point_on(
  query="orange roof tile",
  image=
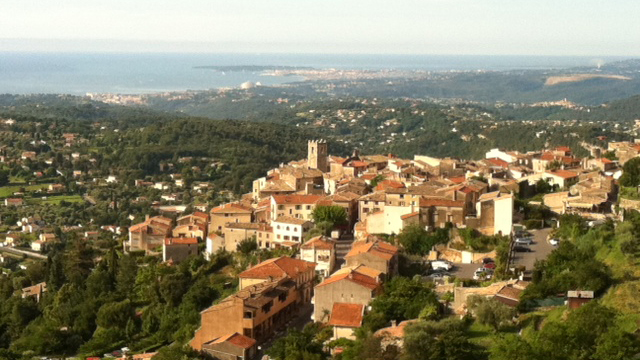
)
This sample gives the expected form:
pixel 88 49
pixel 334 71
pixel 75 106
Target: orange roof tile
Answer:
pixel 277 268
pixel 498 162
pixel 180 241
pixel 320 242
pixel 378 248
pixel 565 174
pixel 355 276
pixel 440 202
pixel 236 339
pixel 390 184
pixel 296 199
pixel 407 216
pixel 232 208
pixel 348 315
pixel 458 179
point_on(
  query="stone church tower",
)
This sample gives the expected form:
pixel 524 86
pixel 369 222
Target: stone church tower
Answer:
pixel 318 151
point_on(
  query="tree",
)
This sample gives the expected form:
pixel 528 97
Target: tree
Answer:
pixel 631 173
pixel 247 245
pixel 444 340
pixel 511 347
pixel 418 241
pixel 334 214
pixel 4 177
pixel 490 311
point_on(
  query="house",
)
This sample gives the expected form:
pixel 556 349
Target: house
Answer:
pixel 255 311
pixel 234 346
pixel 300 271
pixel 561 178
pixel 213 242
pixel 394 334
pixel 150 234
pixel 197 217
pixel 375 254
pixel 47 237
pixel 13 202
pixel 31 155
pixel 296 206
pixel 235 233
pixel 112 179
pixel 11 239
pixel 38 245
pixel 190 231
pixel 371 203
pixel 510 294
pixel 322 251
pixel 577 298
pixel 345 319
pixel 494 213
pixel 354 285
pixel 36 291
pixel 179 249
pixel 228 213
pixel 439 212
pixel 290 229
pixel 56 188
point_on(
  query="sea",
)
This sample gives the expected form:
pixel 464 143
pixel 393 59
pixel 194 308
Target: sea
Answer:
pixel 130 73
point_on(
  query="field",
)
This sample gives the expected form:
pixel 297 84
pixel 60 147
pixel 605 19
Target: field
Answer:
pixel 7 191
pixel 55 200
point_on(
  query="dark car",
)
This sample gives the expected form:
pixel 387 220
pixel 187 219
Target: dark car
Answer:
pixel 521 249
pixel 489 266
pixel 487 260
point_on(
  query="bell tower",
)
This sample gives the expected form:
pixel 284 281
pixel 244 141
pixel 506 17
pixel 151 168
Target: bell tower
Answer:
pixel 318 151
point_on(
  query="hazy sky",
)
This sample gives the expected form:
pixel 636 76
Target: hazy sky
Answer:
pixel 519 27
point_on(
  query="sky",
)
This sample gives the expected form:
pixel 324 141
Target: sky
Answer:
pixel 470 27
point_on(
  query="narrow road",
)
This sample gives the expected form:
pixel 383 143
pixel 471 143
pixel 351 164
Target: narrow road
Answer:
pixel 23 252
pixel 343 245
pixel 540 249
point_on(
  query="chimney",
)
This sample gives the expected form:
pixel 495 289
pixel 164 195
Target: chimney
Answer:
pixel 394 323
pixel 146 217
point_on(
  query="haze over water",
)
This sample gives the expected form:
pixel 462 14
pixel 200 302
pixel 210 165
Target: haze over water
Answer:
pixel 78 73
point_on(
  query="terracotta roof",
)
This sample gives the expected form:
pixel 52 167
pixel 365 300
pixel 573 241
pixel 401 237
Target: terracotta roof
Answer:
pixel 362 269
pixel 396 331
pixel 357 163
pixel 407 216
pixel 290 220
pixel 563 148
pixel 277 268
pixel 348 315
pixel 320 242
pixel 457 179
pixel 232 208
pixel 36 289
pixel 236 339
pixel 376 196
pixel 368 176
pixel 565 174
pixel 606 161
pixel 296 199
pixel 510 292
pixel 378 248
pixel 180 241
pixel 440 202
pixel 354 276
pixel 497 162
pixel 389 184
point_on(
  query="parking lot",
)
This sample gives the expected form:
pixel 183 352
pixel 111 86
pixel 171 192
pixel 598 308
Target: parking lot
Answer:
pixel 540 249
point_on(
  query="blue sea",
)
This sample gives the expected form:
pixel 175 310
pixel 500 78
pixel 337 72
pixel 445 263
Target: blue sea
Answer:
pixel 81 73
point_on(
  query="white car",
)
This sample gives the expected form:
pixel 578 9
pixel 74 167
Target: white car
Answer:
pixel 480 274
pixel 441 265
pixel 524 241
pixel 554 242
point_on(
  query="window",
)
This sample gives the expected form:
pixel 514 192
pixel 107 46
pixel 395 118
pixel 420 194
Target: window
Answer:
pixel 280 207
pixel 286 237
pixel 308 207
pixel 248 315
pixel 278 227
pixel 298 207
pixel 267 307
pixel 278 236
pixel 366 202
pixel 365 210
pixel 287 228
pixel 282 297
pixel 290 211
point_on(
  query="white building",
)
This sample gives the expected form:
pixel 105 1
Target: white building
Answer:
pixel 287 228
pixel 320 250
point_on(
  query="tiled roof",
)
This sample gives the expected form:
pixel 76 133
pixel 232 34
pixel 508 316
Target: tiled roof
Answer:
pixel 319 242
pixel 510 292
pixel 376 196
pixel 378 248
pixel 352 276
pixel 497 162
pixel 457 179
pixel 565 174
pixel 180 241
pixel 407 216
pixel 348 315
pixel 290 220
pixel 236 339
pixel 386 184
pixel 277 268
pixel 440 202
pixel 361 269
pixel 231 208
pixel 296 199
pixel 396 331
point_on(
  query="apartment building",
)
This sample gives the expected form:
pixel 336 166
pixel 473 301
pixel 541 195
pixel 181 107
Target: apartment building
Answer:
pixel 296 206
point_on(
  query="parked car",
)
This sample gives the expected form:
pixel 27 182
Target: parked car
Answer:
pixel 441 265
pixel 487 260
pixel 489 265
pixel 480 274
pixel 554 242
pixel 524 241
pixel 438 275
pixel 519 248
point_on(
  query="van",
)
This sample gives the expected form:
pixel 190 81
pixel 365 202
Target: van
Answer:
pixel 441 265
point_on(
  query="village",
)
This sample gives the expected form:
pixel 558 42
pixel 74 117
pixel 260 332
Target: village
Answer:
pixel 333 266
